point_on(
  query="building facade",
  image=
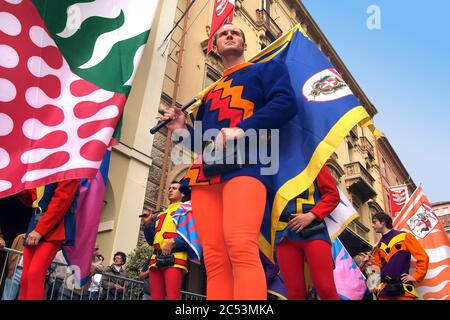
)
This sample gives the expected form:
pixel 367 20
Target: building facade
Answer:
pixel 392 171
pixel 173 69
pixel 442 211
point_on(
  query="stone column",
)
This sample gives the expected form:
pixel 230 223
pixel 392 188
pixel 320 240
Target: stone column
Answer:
pixel 131 160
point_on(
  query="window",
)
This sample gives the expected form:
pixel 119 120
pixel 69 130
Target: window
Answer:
pixel 384 169
pixel 373 210
pixel 335 174
pixel 446 210
pixel 350 152
pixel 211 76
pixel 356 204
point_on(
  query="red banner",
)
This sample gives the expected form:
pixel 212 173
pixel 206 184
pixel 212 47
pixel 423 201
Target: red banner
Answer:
pixel 397 198
pixel 223 11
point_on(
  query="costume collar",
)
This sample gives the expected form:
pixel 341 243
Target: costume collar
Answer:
pixel 173 205
pixel 236 68
pixel 388 234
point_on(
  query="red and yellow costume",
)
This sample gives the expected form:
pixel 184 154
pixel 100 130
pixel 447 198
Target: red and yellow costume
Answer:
pixel 167 280
pixel 292 249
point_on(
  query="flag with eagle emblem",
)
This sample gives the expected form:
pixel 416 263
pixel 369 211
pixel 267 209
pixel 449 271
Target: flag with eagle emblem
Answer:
pixel 326 111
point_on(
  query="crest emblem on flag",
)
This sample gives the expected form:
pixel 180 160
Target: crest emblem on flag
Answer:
pixel 325 86
pixel 399 197
pixel 422 222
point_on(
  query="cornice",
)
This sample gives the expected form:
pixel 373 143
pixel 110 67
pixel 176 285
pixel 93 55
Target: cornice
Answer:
pixel 387 149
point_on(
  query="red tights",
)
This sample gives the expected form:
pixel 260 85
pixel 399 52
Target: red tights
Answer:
pixel 165 280
pixel 228 218
pixel 36 260
pixel 291 256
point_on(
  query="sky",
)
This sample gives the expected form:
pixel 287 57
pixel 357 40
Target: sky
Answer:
pixel 403 67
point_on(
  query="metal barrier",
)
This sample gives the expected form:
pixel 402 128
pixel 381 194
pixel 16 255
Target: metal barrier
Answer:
pixel 11 287
pixel 61 284
pixel 185 295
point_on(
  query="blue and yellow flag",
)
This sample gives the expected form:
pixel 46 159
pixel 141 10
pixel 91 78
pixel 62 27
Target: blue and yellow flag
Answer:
pixel 327 111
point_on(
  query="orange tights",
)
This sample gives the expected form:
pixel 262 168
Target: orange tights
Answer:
pixel 228 218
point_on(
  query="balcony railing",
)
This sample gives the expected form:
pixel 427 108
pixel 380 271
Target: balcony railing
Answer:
pixel 360 229
pixel 263 18
pixel 354 133
pixel 359 181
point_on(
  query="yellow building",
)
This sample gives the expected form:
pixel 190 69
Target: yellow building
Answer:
pixel 172 71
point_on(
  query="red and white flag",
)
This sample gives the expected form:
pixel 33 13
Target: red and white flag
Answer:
pixel 64 80
pixel 418 218
pixel 223 11
pixel 397 198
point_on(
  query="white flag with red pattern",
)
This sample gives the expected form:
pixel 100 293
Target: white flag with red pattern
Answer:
pixel 418 218
pixel 66 69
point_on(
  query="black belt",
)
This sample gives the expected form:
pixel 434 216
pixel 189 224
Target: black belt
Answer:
pixel 285 218
pixel 159 252
pixel 384 280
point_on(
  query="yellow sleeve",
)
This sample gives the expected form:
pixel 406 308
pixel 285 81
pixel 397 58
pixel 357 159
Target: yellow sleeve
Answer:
pixel 418 252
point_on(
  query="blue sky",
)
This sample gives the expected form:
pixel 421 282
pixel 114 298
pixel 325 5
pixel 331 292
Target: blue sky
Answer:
pixel 404 70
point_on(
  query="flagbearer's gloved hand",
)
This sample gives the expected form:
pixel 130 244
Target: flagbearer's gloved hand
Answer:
pixel 2 243
pixel 177 116
pixel 299 221
pixel 407 277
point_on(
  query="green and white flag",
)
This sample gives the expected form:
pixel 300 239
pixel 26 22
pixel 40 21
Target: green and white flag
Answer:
pixel 102 40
